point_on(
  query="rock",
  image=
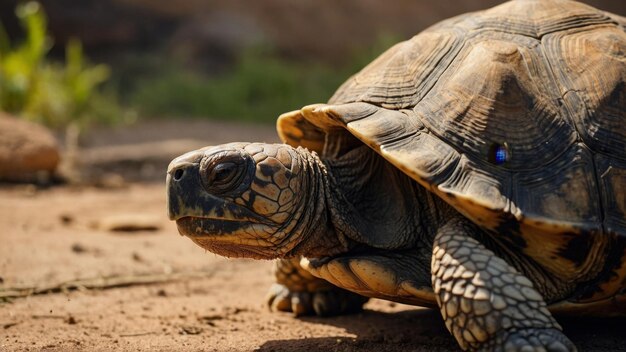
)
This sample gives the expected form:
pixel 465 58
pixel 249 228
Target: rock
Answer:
pixel 28 151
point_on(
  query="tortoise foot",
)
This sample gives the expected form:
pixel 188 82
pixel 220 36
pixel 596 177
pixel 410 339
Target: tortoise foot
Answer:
pixel 334 301
pixel 533 340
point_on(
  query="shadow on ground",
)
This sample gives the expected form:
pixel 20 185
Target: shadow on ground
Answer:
pixel 423 330
pixel 412 330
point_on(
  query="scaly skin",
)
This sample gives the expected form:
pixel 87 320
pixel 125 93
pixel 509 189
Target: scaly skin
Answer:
pixel 487 304
pixel 297 290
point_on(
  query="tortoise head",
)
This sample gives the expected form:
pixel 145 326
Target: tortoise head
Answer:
pixel 239 199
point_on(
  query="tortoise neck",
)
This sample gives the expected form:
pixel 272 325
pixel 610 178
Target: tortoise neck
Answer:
pixel 314 233
pixel 373 203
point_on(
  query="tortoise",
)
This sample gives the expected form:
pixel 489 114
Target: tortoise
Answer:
pixel 479 167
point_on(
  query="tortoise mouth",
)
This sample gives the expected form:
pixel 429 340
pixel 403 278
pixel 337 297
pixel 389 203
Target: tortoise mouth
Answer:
pixel 194 226
pixel 232 238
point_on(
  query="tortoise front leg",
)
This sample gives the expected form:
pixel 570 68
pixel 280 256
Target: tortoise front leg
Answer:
pixel 486 303
pixel 297 291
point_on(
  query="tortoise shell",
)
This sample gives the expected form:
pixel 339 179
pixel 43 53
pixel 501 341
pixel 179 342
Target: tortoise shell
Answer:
pixel 516 116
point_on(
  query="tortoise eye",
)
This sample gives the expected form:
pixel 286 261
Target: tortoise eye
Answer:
pixel 498 153
pixel 222 173
pixel 224 176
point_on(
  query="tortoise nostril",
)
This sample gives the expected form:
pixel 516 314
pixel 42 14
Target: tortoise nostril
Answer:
pixel 178 174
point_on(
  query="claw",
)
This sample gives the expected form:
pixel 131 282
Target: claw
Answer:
pixel 322 303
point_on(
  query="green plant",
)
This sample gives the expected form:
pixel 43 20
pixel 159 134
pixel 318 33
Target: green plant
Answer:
pixel 259 87
pixel 55 94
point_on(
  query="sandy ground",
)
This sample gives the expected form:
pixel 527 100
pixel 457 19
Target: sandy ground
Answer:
pixel 157 291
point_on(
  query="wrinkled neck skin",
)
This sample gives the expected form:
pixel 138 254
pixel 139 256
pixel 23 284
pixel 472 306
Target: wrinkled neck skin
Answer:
pixel 311 232
pixel 355 199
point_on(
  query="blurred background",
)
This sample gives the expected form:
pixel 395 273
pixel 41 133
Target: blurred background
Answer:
pixel 220 59
pixel 97 96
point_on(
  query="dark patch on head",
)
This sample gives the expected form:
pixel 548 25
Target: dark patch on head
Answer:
pixel 262 183
pixel 251 199
pixel 577 248
pixel 268 170
pixel 509 229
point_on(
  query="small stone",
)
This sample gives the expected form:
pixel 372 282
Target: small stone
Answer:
pixel 190 330
pixel 79 248
pixel 129 223
pixel 66 219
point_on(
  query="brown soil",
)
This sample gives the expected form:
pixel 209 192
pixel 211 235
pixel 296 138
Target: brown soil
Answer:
pixel 154 290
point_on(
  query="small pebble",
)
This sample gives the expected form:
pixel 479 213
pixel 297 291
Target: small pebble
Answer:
pixel 78 248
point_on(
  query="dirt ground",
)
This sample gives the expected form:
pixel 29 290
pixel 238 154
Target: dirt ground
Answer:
pixel 154 290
